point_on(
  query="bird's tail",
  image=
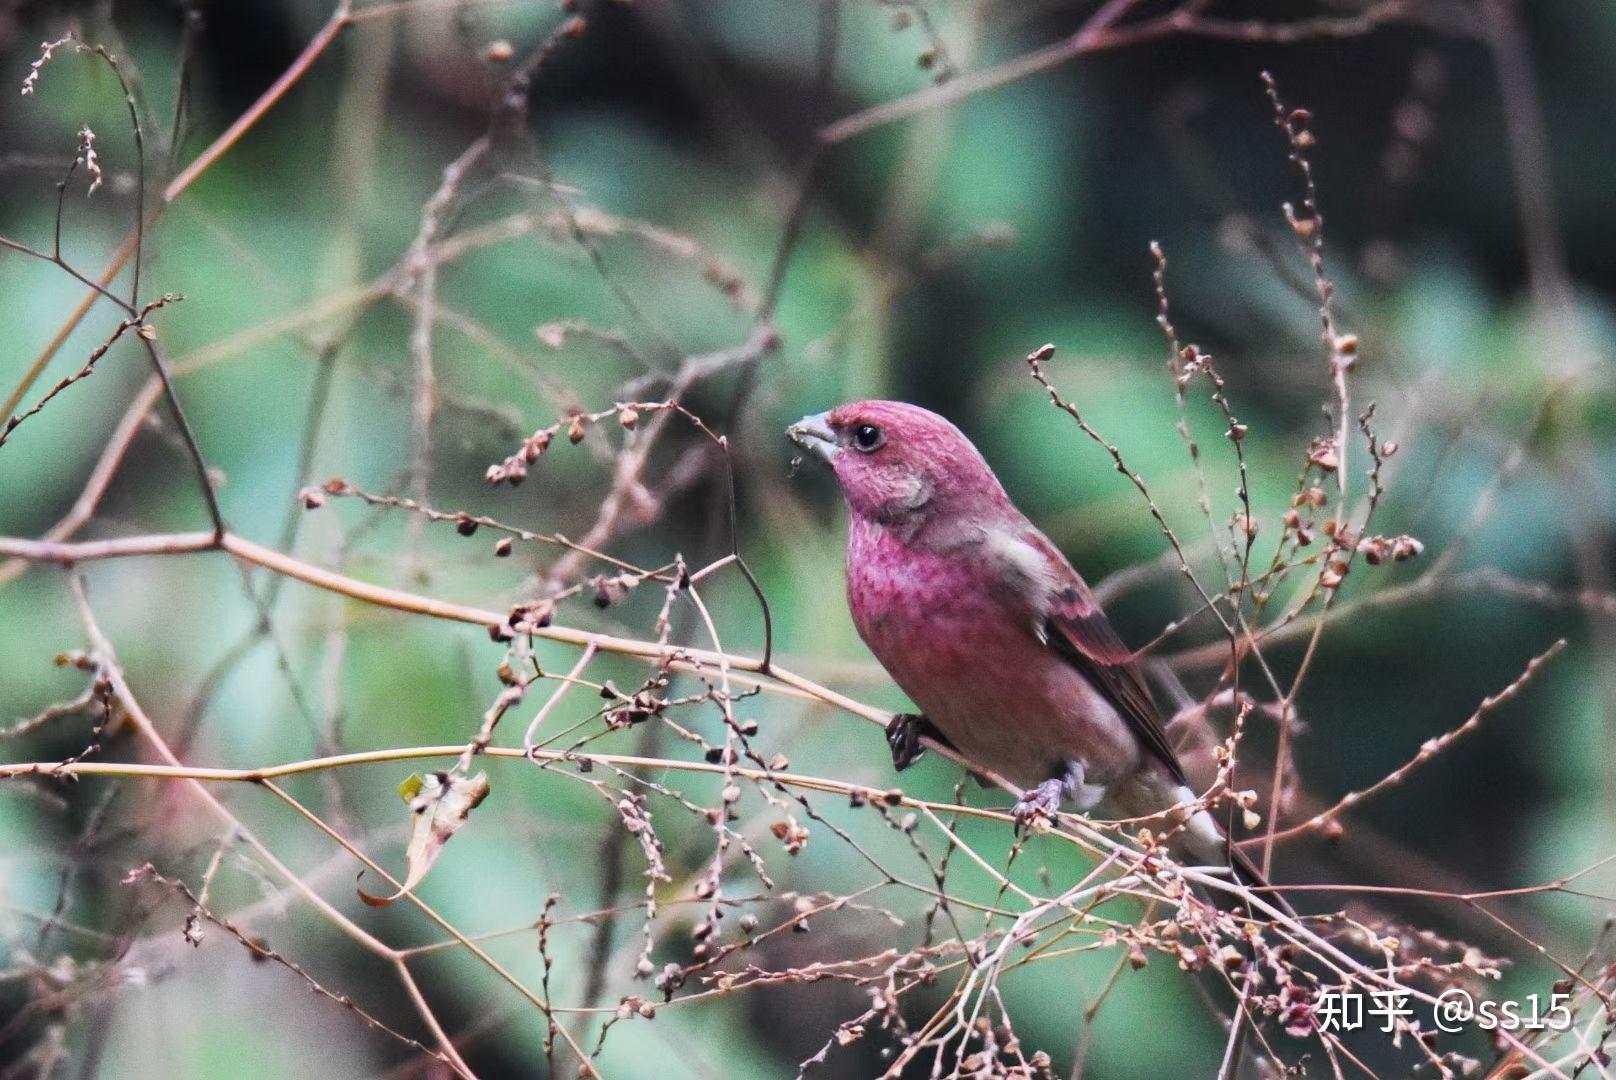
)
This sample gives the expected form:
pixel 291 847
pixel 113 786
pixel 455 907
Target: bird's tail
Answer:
pixel 1248 874
pixel 1203 839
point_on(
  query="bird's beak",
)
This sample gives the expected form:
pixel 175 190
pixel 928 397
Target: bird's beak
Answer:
pixel 814 435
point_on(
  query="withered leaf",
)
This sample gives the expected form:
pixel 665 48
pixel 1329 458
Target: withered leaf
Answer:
pixel 441 803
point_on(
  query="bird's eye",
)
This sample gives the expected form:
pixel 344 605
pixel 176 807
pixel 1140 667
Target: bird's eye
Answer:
pixel 868 438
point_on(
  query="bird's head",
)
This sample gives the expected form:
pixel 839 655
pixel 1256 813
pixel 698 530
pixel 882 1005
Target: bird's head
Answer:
pixel 898 463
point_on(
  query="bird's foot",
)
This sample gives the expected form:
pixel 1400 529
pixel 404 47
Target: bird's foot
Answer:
pixel 1041 803
pixel 904 732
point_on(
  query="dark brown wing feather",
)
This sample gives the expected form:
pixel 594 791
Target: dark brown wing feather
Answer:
pixel 1081 634
pixel 1079 631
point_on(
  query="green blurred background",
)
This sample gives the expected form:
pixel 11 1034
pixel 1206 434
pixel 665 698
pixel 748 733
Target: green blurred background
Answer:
pixel 935 253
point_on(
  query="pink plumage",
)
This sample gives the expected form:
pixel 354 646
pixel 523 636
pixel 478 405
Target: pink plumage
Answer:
pixel 987 627
pixel 962 642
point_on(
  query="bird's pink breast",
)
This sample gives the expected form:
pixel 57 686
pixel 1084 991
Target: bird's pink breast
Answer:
pixel 963 646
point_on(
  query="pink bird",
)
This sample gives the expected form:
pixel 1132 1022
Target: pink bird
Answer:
pixel 989 630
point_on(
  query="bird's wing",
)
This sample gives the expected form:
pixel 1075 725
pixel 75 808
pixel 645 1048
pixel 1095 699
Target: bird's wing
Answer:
pixel 1077 629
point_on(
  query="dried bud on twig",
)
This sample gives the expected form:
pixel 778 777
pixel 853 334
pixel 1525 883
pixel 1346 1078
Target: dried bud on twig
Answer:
pixel 1376 549
pixel 1324 453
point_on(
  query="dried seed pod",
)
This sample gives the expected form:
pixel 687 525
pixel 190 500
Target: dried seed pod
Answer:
pixel 671 979
pixel 1333 575
pixel 1406 547
pixel 1325 454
